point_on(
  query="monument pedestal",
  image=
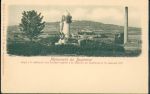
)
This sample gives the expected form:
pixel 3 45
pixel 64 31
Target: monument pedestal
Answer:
pixel 66 42
pixel 62 41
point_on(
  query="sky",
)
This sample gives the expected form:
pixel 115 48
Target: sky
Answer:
pixel 104 14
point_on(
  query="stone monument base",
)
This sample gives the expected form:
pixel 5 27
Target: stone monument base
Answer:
pixel 60 42
pixel 65 42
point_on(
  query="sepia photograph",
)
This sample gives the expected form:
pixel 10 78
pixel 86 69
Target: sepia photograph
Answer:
pixel 74 31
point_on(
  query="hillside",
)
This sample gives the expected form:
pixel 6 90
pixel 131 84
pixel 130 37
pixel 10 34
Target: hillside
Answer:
pixel 53 27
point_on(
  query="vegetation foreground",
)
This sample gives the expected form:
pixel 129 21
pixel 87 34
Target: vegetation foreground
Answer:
pixel 39 49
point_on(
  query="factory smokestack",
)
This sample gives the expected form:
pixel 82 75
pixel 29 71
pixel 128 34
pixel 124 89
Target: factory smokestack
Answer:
pixel 126 26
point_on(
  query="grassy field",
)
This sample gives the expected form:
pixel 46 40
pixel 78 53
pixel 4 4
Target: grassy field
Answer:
pixel 87 48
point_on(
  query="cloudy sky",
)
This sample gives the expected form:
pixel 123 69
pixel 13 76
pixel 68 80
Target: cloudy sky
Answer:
pixel 104 14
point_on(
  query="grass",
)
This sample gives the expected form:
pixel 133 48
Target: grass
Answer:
pixel 38 49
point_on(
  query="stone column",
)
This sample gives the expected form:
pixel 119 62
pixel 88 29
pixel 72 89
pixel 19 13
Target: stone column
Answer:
pixel 126 26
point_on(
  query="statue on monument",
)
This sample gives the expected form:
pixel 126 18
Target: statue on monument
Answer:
pixel 65 22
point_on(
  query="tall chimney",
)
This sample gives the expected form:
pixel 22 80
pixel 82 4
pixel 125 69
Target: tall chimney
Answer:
pixel 126 26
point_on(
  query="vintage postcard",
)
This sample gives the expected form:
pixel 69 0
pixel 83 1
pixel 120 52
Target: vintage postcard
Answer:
pixel 81 46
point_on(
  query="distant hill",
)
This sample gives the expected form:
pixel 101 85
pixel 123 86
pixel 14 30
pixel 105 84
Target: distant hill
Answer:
pixel 53 27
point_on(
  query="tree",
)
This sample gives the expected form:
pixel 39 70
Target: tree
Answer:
pixel 31 24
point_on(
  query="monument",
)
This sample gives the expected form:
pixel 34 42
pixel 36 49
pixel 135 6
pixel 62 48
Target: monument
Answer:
pixel 65 22
pixel 126 26
pixel 122 38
